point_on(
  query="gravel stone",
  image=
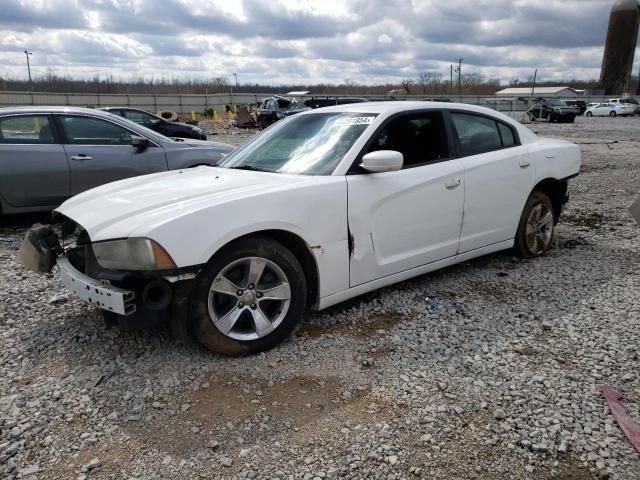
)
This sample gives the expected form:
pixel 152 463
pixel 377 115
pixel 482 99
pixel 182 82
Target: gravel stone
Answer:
pixel 504 380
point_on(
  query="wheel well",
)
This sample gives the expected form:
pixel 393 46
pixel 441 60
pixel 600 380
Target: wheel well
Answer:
pixel 556 190
pixel 301 251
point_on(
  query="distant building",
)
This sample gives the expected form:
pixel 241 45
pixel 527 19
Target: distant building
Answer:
pixel 538 92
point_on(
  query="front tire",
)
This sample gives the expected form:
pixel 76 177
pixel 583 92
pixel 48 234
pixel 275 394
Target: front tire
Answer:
pixel 535 229
pixel 589 114
pixel 612 113
pixel 249 298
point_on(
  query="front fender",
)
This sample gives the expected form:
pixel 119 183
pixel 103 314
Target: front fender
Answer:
pixel 315 213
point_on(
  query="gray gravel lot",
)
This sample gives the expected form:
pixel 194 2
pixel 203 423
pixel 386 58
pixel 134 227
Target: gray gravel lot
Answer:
pixel 503 381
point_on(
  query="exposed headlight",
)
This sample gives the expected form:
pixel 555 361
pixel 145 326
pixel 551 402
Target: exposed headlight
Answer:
pixel 132 254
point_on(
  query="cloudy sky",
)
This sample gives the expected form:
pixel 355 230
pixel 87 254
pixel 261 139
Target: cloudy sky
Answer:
pixel 304 41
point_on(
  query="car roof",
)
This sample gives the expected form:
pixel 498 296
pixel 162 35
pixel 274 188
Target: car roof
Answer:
pixel 123 107
pixel 391 107
pixel 54 109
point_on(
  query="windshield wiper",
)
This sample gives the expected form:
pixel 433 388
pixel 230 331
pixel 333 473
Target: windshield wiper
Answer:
pixel 251 168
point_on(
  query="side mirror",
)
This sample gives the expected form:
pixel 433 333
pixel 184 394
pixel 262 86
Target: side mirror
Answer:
pixel 382 161
pixel 139 142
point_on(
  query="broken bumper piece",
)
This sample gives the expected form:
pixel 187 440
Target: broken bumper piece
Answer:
pixel 107 297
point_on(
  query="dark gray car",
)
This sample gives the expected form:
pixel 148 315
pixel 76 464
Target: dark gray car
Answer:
pixel 48 154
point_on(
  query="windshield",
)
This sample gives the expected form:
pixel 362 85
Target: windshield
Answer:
pixel 144 130
pixel 557 103
pixel 310 144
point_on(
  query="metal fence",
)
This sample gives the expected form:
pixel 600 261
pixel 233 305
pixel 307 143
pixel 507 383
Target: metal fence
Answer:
pixel 198 103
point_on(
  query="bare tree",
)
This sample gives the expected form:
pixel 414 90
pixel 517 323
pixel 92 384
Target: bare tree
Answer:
pixel 423 80
pixel 349 84
pixel 407 83
pixel 431 82
pixel 218 85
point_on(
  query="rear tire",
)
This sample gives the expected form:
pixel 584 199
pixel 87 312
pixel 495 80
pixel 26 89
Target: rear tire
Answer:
pixel 536 226
pixel 249 298
pixel 612 113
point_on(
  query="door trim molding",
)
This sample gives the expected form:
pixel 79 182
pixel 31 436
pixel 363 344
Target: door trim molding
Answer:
pixel 413 272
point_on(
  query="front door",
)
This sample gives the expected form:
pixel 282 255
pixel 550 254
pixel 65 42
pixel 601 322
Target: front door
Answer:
pixel 602 110
pixel 411 217
pixel 100 151
pixel 33 165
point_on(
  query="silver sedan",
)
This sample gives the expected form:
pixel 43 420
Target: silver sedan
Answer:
pixel 48 154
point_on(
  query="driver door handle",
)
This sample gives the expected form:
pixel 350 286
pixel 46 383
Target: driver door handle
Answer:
pixel 81 158
pixel 452 183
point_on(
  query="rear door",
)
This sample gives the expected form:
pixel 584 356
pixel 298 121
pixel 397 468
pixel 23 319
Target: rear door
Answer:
pixel 499 177
pixel 100 151
pixel 34 171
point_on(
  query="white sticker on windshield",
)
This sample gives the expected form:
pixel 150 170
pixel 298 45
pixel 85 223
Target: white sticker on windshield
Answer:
pixel 348 121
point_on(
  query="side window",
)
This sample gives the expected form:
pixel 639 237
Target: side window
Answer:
pixel 26 129
pixel 476 134
pixel 420 137
pixel 506 132
pixel 142 118
pixel 94 131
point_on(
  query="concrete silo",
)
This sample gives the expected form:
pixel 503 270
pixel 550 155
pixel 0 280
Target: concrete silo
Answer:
pixel 619 49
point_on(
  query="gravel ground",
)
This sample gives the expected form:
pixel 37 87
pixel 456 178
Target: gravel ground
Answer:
pixel 503 380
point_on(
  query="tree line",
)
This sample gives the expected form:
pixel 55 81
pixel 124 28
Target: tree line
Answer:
pixel 426 83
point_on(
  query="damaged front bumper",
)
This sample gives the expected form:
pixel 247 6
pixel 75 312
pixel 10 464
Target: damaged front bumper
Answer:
pixel 131 299
pixel 107 297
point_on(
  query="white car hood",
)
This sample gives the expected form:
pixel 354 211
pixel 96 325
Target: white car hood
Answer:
pixel 117 209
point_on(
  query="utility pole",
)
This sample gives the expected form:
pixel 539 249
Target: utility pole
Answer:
pixel 460 76
pixel 27 53
pixel 236 75
pixel 451 81
pixel 533 88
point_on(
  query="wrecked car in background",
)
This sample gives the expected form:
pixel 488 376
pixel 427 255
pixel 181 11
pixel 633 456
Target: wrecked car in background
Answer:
pixel 272 109
pixel 233 255
pixel 553 110
pixel 320 102
pixel 48 154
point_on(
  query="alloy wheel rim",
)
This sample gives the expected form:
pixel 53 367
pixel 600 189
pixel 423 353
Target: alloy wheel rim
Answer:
pixel 539 229
pixel 249 298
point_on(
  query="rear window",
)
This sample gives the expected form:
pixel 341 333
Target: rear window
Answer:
pixel 477 134
pixel 26 129
pixel 508 139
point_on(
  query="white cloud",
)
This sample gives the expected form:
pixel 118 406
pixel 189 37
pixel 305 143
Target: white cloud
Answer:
pixel 304 41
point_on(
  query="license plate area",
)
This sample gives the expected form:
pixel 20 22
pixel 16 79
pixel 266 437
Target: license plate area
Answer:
pixel 107 297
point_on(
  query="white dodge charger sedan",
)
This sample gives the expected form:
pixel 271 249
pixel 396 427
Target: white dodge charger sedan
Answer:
pixel 321 207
